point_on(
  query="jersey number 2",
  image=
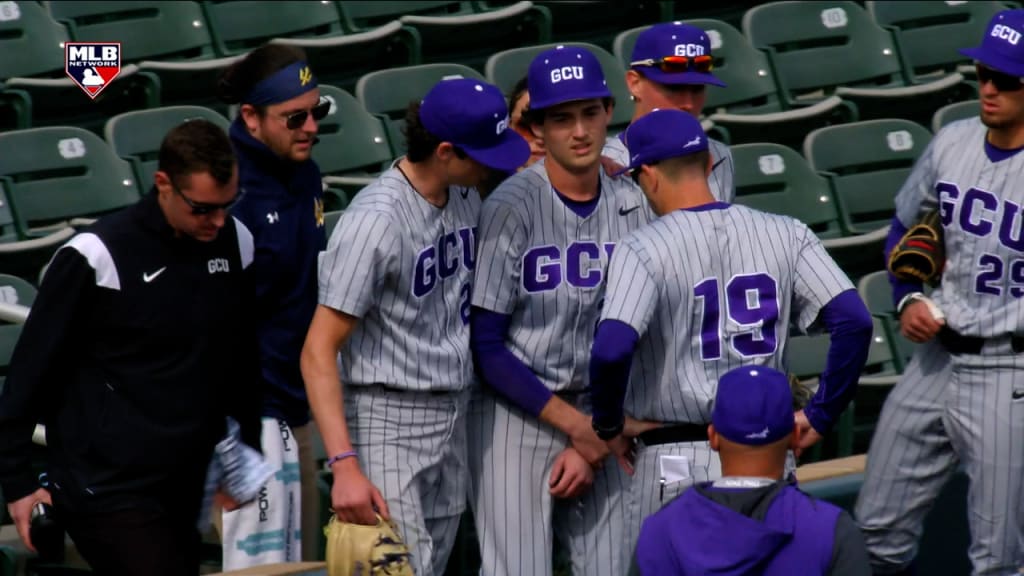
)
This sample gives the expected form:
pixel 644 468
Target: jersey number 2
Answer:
pixel 751 302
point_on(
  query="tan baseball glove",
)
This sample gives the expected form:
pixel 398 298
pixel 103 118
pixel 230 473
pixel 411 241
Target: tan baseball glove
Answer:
pixel 360 550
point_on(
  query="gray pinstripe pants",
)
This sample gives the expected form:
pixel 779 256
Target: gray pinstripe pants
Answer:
pixel 944 411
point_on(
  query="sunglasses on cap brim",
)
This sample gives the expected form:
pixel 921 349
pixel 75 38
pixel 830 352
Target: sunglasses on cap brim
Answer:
pixel 678 64
pixel 298 119
pixel 1002 82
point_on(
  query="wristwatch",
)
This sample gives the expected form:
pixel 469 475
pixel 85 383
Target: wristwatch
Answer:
pixel 912 297
pixel 608 433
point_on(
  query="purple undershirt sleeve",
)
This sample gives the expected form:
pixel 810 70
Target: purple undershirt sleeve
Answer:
pixel 498 367
pixel 610 360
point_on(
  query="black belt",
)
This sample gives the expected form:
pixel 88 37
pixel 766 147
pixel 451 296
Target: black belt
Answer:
pixel 957 343
pixel 674 434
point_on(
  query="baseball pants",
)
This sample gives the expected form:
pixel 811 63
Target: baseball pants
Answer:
pixel 946 410
pixel 412 446
pixel 511 455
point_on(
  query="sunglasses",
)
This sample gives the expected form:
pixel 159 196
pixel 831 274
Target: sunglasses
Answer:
pixel 202 208
pixel 678 64
pixel 1002 82
pixel 297 120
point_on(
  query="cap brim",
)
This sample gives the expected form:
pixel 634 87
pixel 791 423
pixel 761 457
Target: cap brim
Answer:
pixel 509 153
pixel 994 60
pixel 576 97
pixel 656 75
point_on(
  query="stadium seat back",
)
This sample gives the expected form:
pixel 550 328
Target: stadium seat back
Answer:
pixel 146 30
pixel 240 26
pixel 824 45
pixel 351 139
pixel 136 136
pixel 954 112
pixel 387 93
pixel 870 161
pixel 774 178
pixel 507 67
pixel 31 41
pixel 16 290
pixel 931 33
pixel 63 172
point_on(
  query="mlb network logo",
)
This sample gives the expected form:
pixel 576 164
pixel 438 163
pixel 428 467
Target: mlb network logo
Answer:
pixel 92 65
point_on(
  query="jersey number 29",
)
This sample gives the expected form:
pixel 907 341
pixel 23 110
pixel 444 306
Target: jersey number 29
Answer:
pixel 751 303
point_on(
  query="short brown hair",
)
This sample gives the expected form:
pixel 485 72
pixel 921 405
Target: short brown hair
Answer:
pixel 197 146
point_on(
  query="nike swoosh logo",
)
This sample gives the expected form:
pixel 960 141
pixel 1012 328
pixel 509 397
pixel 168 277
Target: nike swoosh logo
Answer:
pixel 147 278
pixel 623 210
pixel 1018 394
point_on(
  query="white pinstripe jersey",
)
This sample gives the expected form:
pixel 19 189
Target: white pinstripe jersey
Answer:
pixel 720 181
pixel 980 203
pixel 544 265
pixel 404 267
pixel 710 290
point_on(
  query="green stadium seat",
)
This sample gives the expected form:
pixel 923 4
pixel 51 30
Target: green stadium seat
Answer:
pixel 353 147
pixel 876 292
pixel 507 67
pixel 23 257
pixel 136 136
pixel 749 109
pixel 60 175
pixel 931 33
pixel 819 49
pixel 867 162
pixel 954 112
pixel 387 93
pixel 330 222
pixel 455 31
pixel 774 178
pixel 16 290
pixel 598 22
pixel 336 56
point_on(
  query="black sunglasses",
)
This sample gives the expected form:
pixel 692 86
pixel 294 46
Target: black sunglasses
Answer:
pixel 297 120
pixel 1002 82
pixel 202 208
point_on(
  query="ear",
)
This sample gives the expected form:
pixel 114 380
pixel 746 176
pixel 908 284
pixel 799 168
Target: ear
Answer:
pixel 444 152
pixel 250 116
pixel 713 437
pixel 161 180
pixel 633 80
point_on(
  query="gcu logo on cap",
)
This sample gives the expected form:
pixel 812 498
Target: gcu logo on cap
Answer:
pixel 689 50
pixel 502 125
pixel 1006 33
pixel 566 73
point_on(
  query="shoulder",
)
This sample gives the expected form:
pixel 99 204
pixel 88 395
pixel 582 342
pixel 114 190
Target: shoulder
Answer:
pixel 246 244
pixel 384 196
pixel 718 149
pixel 957 133
pixel 517 192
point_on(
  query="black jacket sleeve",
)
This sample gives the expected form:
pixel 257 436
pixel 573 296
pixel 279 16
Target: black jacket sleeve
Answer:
pixel 39 364
pixel 245 399
pixel 849 556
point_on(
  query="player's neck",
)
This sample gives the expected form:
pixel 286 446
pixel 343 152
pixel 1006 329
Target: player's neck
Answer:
pixel 753 466
pixel 685 197
pixel 424 179
pixel 579 186
pixel 1007 138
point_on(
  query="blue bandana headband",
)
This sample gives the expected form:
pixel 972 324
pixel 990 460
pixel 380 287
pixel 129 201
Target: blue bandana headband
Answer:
pixel 285 84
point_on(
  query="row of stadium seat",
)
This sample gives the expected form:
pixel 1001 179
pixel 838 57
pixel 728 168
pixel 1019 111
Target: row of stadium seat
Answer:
pixel 780 70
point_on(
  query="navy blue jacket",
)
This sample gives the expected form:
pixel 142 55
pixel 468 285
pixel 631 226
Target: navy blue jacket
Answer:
pixel 775 530
pixel 282 204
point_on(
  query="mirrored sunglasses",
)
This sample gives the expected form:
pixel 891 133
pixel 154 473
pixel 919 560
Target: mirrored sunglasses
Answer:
pixel 678 64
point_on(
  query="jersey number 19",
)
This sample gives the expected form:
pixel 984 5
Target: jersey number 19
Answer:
pixel 751 303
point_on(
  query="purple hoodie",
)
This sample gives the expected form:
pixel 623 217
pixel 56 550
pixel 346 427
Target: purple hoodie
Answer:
pixel 774 530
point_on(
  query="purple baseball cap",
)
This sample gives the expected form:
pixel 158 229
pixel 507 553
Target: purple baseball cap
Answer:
pixel 753 406
pixel 672 39
pixel 564 74
pixel 1002 48
pixel 473 115
pixel 661 134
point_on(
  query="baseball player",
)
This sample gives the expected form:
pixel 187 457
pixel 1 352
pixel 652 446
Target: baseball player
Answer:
pixel 671 68
pixel 545 238
pixel 961 399
pixel 395 283
pixel 705 288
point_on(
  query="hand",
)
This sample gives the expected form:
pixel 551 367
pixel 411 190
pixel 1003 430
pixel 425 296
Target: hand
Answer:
pixel 610 166
pixel 624 450
pixel 917 323
pixel 354 498
pixel 808 435
pixel 634 427
pixel 589 446
pixel 571 475
pixel 21 512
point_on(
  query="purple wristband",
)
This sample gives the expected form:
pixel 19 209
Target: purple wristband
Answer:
pixel 340 457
